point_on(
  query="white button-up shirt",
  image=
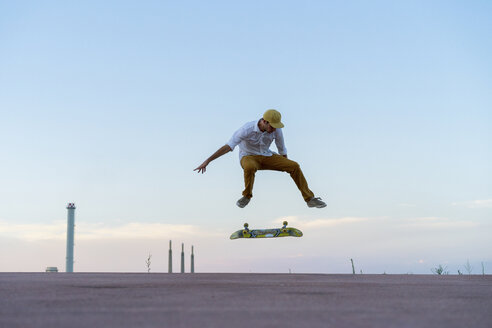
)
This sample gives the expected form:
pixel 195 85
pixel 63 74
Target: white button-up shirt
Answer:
pixel 252 141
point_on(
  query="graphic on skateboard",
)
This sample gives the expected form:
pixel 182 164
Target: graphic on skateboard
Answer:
pixel 267 233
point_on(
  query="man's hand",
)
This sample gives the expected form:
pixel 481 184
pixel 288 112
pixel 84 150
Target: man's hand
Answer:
pixel 221 151
pixel 202 168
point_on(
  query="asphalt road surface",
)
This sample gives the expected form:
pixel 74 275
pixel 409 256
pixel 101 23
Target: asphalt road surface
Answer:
pixel 243 300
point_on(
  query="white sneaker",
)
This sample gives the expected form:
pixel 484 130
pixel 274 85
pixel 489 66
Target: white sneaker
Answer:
pixel 316 202
pixel 243 201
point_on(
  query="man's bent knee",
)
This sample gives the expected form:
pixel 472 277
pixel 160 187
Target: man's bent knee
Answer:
pixel 293 166
pixel 249 165
pixel 250 169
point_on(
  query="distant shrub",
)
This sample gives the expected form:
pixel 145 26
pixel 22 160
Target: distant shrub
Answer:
pixel 440 270
pixel 468 267
pixel 148 262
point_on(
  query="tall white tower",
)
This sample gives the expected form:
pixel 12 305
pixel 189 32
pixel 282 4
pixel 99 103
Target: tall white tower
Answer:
pixel 70 235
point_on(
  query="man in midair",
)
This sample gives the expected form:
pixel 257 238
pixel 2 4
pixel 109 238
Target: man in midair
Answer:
pixel 254 139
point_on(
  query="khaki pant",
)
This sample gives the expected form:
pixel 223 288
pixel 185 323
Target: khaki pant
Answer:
pixel 253 163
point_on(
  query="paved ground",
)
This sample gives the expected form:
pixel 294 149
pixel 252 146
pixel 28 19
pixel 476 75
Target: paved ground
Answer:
pixel 243 300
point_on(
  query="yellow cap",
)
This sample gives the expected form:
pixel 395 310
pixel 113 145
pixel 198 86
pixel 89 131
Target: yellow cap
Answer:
pixel 273 117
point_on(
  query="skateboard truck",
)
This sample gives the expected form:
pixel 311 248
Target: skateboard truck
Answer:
pixel 285 226
pixel 246 230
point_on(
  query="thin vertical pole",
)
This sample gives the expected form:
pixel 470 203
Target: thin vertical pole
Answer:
pixel 192 260
pixel 182 258
pixel 170 264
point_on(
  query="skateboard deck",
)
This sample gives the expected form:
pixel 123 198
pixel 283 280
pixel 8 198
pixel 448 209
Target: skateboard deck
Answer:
pixel 266 233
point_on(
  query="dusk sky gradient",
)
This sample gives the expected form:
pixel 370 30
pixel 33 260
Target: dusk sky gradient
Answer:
pixel 387 107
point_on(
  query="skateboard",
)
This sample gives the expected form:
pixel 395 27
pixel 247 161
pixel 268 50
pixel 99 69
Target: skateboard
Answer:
pixel 267 233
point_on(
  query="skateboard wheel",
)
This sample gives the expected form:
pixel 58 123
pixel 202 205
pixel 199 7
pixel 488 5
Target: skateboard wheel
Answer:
pixel 284 230
pixel 246 225
pixel 285 223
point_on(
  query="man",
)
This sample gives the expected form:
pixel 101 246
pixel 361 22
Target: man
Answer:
pixel 254 140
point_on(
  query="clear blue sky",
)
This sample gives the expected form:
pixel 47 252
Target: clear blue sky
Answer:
pixel 387 106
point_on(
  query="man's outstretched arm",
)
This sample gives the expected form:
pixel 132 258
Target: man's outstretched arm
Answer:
pixel 221 151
